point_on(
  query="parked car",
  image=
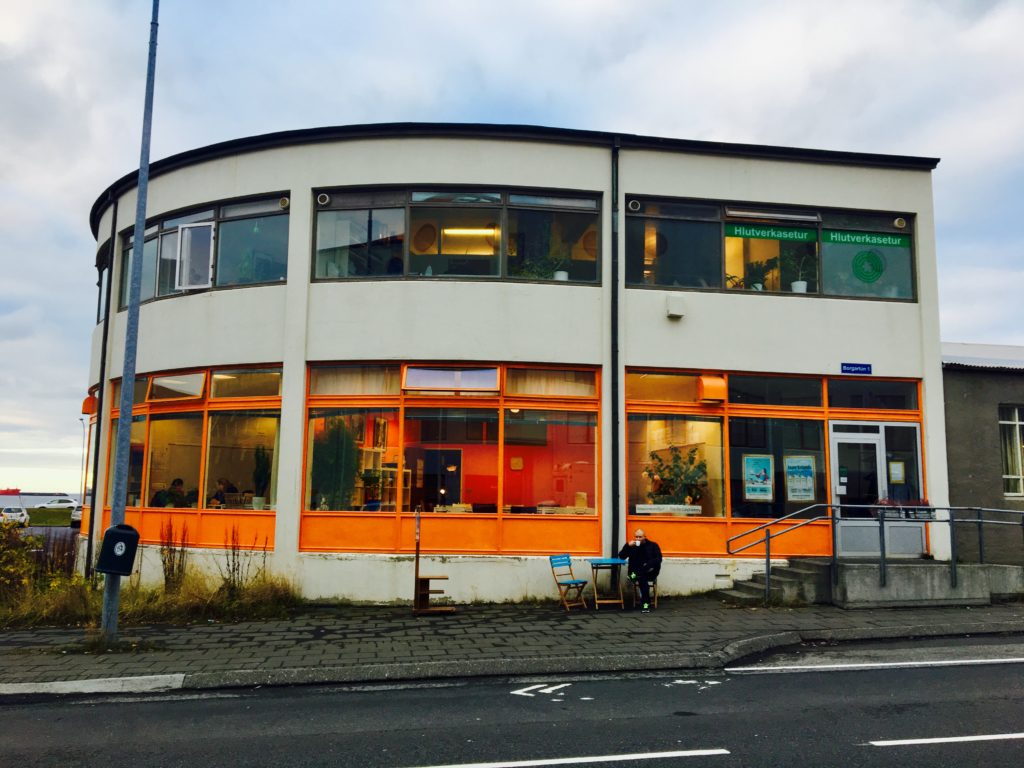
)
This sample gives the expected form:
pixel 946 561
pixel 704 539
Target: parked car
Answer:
pixel 76 516
pixel 59 503
pixel 16 515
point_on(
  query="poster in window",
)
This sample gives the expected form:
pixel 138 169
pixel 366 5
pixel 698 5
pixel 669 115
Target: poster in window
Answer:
pixel 897 472
pixel 758 477
pixel 380 433
pixel 799 478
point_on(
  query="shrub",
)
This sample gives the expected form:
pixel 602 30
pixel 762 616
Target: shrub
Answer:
pixel 16 562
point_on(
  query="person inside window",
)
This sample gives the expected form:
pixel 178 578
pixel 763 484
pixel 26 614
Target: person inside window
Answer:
pixel 644 558
pixel 224 487
pixel 170 497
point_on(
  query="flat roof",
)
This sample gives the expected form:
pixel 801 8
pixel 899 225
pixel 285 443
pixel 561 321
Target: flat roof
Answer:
pixel 1002 357
pixel 497 131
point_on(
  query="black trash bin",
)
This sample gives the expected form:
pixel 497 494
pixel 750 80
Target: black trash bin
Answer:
pixel 117 555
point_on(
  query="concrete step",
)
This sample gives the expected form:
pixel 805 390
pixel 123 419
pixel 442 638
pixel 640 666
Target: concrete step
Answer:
pixel 737 597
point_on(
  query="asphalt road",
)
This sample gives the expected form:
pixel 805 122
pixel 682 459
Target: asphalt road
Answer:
pixel 765 714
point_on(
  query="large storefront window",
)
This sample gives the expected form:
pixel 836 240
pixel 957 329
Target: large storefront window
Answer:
pixel 869 264
pixel 352 460
pixel 675 465
pixel 236 244
pixel 204 459
pixel 777 466
pixel 494 458
pixel 460 233
pixel 550 462
pixel 761 257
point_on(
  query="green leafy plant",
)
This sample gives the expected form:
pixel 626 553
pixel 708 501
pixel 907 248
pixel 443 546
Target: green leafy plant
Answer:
pixel 756 272
pixel 679 480
pixel 261 471
pixel 799 263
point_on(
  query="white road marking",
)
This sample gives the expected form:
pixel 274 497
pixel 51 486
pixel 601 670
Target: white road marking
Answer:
pixel 525 691
pixel 554 688
pixel 589 759
pixel 139 684
pixel 868 665
pixel 947 740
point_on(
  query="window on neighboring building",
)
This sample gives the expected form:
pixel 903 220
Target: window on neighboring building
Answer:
pixel 459 233
pixel 1011 437
pixel 235 244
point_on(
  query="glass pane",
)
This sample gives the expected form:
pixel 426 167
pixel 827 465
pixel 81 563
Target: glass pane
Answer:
pixel 761 257
pixel 175 444
pixel 902 465
pixel 669 387
pixel 453 457
pixel 552 245
pixel 456 197
pixel 372 198
pixel 148 288
pixel 186 385
pixel 252 251
pixel 774 390
pixel 353 460
pixel 1010 441
pixel 857 466
pixel 241 459
pixel 777 466
pixel 679 210
pixel 454 241
pixel 196 245
pixel 674 465
pixel 421 378
pixel 251 208
pixel 167 269
pixel 190 218
pixel 663 252
pixel 1012 486
pixel 1007 413
pixel 550 462
pixel 360 243
pixel 890 395
pixel 139 391
pixel 246 384
pixel 136 455
pixel 355 380
pixel 541 381
pixel 867 264
pixel 562 202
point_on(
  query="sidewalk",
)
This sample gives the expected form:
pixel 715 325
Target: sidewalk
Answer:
pixel 335 644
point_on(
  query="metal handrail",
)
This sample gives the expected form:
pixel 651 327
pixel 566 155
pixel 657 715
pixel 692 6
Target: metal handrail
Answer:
pixel 882 512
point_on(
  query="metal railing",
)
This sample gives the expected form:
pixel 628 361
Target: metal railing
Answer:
pixel 882 513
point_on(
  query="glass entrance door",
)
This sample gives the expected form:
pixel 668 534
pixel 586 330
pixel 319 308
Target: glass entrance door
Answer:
pixel 857 475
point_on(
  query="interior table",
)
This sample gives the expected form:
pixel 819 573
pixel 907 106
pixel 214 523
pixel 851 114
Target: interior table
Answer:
pixel 614 595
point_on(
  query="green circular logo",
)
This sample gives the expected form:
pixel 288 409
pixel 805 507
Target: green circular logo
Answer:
pixel 868 266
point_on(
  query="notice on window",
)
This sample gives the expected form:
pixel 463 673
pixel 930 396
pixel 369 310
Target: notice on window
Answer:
pixel 758 477
pixel 897 473
pixel 799 478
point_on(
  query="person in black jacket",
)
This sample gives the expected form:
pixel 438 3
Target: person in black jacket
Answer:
pixel 644 558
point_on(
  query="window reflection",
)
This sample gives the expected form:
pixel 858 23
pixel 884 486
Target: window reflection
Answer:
pixel 241 459
pixel 454 241
pixel 360 243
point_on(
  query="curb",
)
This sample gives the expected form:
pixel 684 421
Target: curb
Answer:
pixel 497 668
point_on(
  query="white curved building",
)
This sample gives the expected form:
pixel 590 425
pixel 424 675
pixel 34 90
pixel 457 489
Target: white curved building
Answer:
pixel 517 331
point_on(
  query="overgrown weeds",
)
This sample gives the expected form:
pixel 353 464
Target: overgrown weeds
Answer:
pixel 40 587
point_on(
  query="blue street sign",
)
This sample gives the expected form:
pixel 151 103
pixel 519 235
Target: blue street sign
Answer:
pixel 863 369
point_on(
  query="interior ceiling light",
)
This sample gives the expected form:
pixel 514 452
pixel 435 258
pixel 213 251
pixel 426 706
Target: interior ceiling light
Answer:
pixel 468 231
pixel 742 214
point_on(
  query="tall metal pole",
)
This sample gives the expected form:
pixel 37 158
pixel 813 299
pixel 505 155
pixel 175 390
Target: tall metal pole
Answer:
pixel 112 585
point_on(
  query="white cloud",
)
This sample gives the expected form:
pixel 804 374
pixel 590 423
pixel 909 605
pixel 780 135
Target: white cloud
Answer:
pixel 894 76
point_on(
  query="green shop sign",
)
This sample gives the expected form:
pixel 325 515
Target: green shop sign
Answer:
pixel 767 232
pixel 865 238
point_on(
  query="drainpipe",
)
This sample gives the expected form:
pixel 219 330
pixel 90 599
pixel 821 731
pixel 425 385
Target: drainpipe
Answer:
pixel 615 415
pixel 111 259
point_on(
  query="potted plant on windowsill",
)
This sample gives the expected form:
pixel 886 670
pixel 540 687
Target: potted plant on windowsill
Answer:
pixel 260 477
pixel 677 485
pixel 755 274
pixel 798 266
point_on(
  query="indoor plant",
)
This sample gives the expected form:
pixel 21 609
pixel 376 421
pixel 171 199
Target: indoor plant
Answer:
pixel 679 480
pixel 260 476
pixel 755 273
pixel 799 264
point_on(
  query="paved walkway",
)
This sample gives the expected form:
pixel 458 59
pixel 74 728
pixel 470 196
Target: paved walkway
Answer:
pixel 378 643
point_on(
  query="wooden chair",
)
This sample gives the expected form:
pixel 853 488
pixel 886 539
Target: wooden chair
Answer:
pixel 653 588
pixel 570 589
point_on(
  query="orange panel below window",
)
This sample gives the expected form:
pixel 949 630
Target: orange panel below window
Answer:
pixel 205 529
pixel 707 537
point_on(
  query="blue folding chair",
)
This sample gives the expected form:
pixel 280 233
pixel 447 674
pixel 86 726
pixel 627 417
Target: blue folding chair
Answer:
pixel 570 589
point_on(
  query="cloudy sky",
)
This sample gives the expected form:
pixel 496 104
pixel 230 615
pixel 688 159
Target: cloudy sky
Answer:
pixel 939 78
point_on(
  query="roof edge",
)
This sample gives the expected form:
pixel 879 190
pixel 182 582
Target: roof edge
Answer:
pixel 496 131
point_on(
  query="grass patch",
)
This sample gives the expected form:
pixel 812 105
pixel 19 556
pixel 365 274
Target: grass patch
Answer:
pixel 57 517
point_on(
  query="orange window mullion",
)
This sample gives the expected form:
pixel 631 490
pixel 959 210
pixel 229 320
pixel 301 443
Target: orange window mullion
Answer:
pixel 144 486
pixel 501 471
pixel 203 448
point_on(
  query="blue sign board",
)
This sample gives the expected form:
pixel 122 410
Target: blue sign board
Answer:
pixel 861 368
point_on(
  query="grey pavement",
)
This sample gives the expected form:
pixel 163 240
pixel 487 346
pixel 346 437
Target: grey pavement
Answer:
pixel 365 643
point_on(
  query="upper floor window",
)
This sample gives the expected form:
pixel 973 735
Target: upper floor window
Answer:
pixel 237 244
pixel 1011 436
pixel 767 249
pixel 457 233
